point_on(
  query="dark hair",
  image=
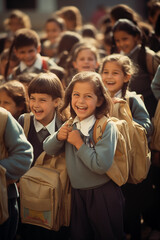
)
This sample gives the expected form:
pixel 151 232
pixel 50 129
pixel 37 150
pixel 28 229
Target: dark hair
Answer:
pixel 66 42
pixel 26 37
pixel 99 90
pixel 58 20
pixel 16 91
pixel 133 30
pixel 125 63
pixel 127 26
pixel 23 37
pixel 48 83
pixel 124 11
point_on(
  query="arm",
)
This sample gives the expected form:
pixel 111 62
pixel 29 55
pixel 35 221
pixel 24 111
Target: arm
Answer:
pixel 155 85
pixel 20 152
pixel 140 113
pixel 100 158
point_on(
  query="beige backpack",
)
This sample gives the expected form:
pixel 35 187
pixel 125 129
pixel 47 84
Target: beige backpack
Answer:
pixel 3 184
pixel 119 169
pixel 155 140
pixel 140 155
pixel 45 191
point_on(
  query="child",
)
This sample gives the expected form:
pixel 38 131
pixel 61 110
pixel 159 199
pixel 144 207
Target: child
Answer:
pixel 27 47
pixel 13 98
pixel 16 20
pixel 16 162
pixel 54 26
pixel 83 57
pixel 3 62
pixel 97 202
pixel 45 97
pixel 127 37
pixel 72 17
pixel 116 71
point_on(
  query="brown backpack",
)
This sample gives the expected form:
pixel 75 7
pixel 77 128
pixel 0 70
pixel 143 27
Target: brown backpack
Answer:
pixel 45 191
pixel 119 169
pixel 140 154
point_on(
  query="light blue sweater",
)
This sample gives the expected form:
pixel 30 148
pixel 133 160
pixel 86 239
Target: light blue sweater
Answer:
pixel 87 166
pixel 20 153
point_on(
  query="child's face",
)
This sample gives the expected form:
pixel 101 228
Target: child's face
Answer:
pixel 113 77
pixel 53 31
pixel 8 103
pixel 27 54
pixel 43 107
pixel 85 61
pixel 84 101
pixel 125 42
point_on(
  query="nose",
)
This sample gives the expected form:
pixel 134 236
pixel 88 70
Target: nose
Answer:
pixel 81 100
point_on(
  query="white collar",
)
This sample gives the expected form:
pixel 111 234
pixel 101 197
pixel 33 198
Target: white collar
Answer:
pixel 37 64
pixel 118 94
pixel 50 127
pixel 85 125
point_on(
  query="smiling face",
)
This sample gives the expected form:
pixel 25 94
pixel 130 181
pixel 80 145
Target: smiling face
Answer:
pixel 27 54
pixel 53 31
pixel 9 104
pixel 84 101
pixel 125 42
pixel 113 77
pixel 85 61
pixel 43 107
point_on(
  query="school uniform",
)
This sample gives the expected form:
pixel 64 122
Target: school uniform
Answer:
pixel 141 82
pixel 36 138
pixel 97 202
pixel 20 157
pixel 41 64
pixel 138 197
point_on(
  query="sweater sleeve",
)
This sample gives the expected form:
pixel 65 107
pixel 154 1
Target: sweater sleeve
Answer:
pixel 140 113
pixel 20 152
pixel 155 85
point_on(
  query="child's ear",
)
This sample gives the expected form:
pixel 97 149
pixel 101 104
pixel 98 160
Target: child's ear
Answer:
pixel 56 102
pixel 99 103
pixel 127 78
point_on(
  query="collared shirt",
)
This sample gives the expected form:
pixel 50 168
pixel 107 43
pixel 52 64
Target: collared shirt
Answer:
pixel 85 125
pixel 36 65
pixel 50 127
pixel 118 94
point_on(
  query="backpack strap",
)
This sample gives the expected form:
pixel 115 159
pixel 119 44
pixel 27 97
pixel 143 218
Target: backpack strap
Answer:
pixel 27 121
pixel 44 64
pixel 99 128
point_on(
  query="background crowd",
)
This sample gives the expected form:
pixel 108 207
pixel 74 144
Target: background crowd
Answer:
pixel 36 69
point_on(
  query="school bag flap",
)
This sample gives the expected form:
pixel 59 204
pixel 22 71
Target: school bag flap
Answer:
pixel 118 171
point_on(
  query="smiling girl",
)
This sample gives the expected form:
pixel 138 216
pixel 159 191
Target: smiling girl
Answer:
pixel 97 202
pixel 116 71
pixel 129 41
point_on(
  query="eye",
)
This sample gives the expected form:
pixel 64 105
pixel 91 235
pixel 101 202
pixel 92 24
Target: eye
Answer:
pixel 75 94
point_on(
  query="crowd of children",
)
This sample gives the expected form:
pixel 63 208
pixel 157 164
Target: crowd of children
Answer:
pixel 79 71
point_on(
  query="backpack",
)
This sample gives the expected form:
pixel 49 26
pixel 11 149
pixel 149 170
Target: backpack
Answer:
pixel 3 183
pixel 45 191
pixel 140 154
pixel 155 139
pixel 119 169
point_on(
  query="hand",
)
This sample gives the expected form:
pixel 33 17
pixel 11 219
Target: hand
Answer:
pixel 75 139
pixel 63 132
